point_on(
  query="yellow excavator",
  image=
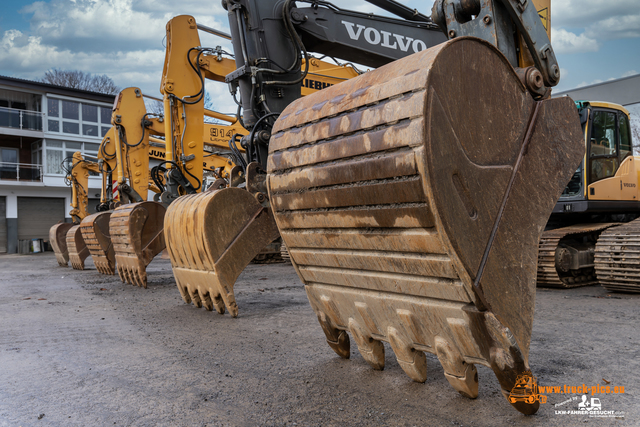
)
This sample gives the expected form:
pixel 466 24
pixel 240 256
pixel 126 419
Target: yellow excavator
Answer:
pixel 66 238
pixel 131 235
pixel 412 197
pixel 121 173
pixel 591 236
pixel 186 67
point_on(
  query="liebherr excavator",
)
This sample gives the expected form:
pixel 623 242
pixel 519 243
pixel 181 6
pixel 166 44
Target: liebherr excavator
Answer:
pixel 412 197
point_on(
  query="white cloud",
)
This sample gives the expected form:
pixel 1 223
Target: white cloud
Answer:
pixel 564 41
pixel 585 13
pixel 629 73
pixel 111 25
pixel 616 27
pixel 124 39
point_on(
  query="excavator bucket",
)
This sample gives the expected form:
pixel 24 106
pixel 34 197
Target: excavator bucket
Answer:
pixel 411 200
pixel 95 232
pixel 58 240
pixel 211 237
pixel 137 233
pixel 78 250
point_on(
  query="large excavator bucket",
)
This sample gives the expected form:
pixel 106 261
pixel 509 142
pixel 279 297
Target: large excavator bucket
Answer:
pixel 137 233
pixel 95 231
pixel 58 240
pixel 211 237
pixel 411 200
pixel 78 250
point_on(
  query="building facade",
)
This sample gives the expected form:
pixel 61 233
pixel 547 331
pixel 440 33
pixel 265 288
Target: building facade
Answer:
pixel 42 125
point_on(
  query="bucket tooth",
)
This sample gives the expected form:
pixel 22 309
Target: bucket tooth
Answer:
pixel 95 232
pixel 338 340
pixel 137 233
pixel 413 362
pixel 58 240
pixel 78 250
pixel 211 237
pixel 462 376
pixel 412 199
pixel 371 349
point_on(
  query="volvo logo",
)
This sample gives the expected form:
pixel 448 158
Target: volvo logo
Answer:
pixel 383 38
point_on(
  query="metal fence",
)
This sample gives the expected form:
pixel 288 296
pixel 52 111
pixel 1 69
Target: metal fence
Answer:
pixel 20 172
pixel 20 119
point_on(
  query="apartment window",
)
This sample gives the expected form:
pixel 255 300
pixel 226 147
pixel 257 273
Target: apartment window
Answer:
pixel 90 120
pixel 36 153
pixel 77 118
pixel 56 152
pixel 53 107
pixel 8 160
pixel 105 120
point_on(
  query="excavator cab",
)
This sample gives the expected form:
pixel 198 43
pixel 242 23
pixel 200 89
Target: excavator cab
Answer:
pixel 601 195
pixel 607 146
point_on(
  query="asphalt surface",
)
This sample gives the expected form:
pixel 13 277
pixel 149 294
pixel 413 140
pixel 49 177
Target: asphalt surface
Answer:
pixel 81 348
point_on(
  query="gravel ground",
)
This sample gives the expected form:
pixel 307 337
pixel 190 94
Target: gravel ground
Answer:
pixel 81 348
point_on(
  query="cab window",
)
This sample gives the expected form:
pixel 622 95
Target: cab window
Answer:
pixel 603 157
pixel 625 137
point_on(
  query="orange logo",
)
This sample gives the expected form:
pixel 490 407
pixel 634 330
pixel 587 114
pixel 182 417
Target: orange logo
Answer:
pixel 526 390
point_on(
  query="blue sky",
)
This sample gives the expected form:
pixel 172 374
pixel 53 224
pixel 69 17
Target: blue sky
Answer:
pixel 594 40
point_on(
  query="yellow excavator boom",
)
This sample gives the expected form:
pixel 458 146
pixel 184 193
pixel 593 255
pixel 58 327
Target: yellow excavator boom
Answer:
pixel 203 275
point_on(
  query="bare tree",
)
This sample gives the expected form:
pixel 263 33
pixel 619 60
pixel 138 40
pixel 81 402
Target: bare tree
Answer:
pixel 154 107
pixel 76 79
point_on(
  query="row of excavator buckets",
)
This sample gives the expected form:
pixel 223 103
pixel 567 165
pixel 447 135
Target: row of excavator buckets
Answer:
pixel 411 200
pixel 129 237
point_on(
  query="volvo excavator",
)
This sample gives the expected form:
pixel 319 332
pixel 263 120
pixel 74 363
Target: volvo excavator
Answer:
pixel 591 236
pixel 412 197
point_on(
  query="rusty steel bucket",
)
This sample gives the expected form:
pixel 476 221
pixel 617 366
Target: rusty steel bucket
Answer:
pixel 137 233
pixel 211 237
pixel 411 200
pixel 58 240
pixel 95 232
pixel 78 250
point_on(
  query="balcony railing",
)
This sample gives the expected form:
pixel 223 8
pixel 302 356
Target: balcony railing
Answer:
pixel 20 119
pixel 20 172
